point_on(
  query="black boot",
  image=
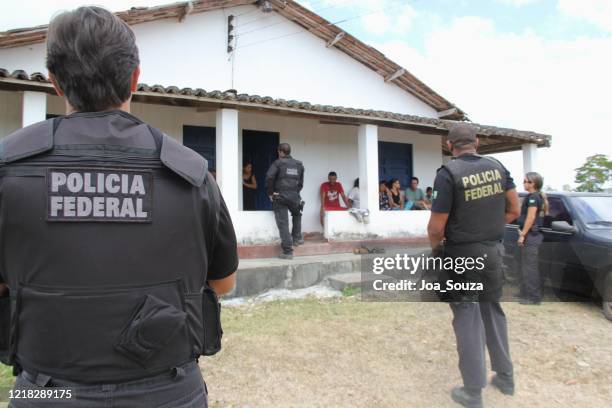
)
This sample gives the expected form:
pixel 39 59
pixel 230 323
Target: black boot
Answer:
pixel 504 383
pixel 467 398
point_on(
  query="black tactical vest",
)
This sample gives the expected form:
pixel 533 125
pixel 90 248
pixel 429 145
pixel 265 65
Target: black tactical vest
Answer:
pixel 479 200
pixel 105 230
pixel 289 178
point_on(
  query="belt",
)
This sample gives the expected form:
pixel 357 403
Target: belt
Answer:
pixel 488 242
pixel 43 380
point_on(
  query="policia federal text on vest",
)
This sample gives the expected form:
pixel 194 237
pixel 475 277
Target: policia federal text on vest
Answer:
pixel 106 267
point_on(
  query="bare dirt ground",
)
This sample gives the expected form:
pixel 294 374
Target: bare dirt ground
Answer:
pixel 343 352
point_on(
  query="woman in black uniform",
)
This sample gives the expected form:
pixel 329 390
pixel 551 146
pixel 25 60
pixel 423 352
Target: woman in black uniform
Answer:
pixel 533 210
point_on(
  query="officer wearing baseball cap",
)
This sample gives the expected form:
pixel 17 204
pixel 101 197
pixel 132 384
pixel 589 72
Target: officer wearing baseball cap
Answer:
pixel 115 240
pixel 474 197
pixel 284 181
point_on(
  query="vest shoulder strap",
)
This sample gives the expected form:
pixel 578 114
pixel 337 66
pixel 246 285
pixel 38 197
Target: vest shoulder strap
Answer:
pixel 183 161
pixel 27 142
pixel 491 159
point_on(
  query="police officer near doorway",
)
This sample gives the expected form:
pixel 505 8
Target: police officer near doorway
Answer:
pixel 474 197
pixel 284 181
pixel 111 234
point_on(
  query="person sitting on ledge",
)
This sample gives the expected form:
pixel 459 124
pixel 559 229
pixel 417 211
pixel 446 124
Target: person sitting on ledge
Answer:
pixel 416 197
pixel 331 191
pixel 383 196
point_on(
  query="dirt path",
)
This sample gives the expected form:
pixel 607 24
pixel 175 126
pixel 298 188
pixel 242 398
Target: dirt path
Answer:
pixel 347 353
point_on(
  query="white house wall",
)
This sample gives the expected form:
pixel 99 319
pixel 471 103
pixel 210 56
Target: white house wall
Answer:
pixel 322 148
pixel 298 66
pixel 10 112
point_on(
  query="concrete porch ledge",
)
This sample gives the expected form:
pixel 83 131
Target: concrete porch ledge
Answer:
pixel 255 276
pixel 258 228
pixel 258 275
pixel 342 226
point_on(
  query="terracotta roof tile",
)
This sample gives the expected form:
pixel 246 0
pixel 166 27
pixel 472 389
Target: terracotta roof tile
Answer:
pixel 289 9
pixel 233 95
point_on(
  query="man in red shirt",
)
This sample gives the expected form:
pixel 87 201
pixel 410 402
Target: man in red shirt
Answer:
pixel 331 191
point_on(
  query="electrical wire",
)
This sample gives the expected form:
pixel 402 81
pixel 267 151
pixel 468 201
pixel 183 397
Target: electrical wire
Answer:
pixel 302 31
pixel 311 8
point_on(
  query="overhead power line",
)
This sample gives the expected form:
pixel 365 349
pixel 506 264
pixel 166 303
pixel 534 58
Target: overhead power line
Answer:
pixel 302 31
pixel 271 25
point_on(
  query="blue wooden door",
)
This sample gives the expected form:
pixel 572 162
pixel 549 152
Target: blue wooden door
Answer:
pixel 202 139
pixel 260 149
pixel 395 161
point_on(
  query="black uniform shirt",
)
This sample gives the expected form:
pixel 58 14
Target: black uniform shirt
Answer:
pixel 223 260
pixel 532 200
pixel 471 189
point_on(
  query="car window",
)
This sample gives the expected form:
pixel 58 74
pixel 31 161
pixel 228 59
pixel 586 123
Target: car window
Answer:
pixel 595 211
pixel 556 212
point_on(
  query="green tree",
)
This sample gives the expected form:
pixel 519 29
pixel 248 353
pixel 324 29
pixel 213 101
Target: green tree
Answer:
pixel 594 174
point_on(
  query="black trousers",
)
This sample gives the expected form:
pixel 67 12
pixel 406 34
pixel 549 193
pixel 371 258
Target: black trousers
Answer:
pixel 530 273
pixel 477 325
pixel 182 388
pixel 478 319
pixel 282 207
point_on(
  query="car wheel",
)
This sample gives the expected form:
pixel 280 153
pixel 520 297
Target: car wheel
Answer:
pixel 607 296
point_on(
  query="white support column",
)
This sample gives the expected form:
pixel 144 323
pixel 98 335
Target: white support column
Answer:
pixel 228 176
pixel 34 108
pixel 530 157
pixel 368 166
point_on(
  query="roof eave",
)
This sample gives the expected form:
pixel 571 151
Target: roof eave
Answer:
pixel 493 139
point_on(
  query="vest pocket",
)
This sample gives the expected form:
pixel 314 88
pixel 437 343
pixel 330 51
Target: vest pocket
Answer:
pixel 193 307
pixel 211 312
pixel 102 334
pixel 152 326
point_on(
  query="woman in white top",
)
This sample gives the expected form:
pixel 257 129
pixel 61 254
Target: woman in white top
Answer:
pixel 353 195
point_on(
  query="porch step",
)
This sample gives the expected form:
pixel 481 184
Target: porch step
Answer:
pixel 324 247
pixel 255 276
pixel 354 280
pixel 318 247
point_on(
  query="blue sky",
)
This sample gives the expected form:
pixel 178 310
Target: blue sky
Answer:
pixel 540 65
pixel 543 17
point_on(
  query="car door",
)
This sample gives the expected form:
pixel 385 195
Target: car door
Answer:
pixel 560 263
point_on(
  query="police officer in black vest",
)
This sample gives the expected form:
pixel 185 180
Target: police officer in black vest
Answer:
pixel 284 181
pixel 113 237
pixel 474 197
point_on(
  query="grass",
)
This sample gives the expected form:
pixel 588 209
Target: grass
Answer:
pixel 344 352
pixel 350 291
pixel 6 383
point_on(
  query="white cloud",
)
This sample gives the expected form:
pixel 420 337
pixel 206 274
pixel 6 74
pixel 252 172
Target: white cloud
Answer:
pixel 522 81
pixel 597 12
pixel 394 18
pixel 377 17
